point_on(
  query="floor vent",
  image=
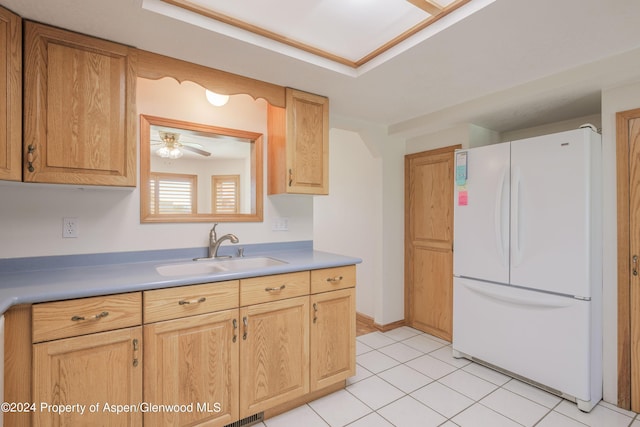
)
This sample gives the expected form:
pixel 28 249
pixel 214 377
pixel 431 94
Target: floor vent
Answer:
pixel 249 421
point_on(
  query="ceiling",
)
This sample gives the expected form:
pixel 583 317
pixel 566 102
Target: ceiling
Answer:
pixel 510 65
pixel 324 32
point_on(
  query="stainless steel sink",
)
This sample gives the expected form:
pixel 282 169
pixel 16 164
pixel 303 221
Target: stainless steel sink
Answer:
pixel 230 265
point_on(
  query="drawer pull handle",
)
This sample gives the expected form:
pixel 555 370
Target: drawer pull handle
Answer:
pixel 334 279
pixel 275 289
pixel 96 317
pixel 193 301
pixel 246 327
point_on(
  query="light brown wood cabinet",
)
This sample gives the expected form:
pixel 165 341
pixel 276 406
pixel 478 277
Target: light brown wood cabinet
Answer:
pixel 80 370
pixel 79 109
pixel 230 350
pixel 11 90
pixel 333 326
pixel 298 145
pixel 332 337
pixel 192 354
pixel 274 354
pixel 193 361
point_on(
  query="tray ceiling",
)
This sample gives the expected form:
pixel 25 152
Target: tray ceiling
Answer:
pixel 351 33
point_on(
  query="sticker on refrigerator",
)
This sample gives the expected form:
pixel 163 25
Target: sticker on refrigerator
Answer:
pixel 463 198
pixel 461 168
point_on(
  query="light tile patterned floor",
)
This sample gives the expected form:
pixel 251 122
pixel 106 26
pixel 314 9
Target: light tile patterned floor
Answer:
pixel 405 378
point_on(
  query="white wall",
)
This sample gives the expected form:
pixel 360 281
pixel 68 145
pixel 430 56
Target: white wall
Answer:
pixel 613 100
pixel 363 215
pixel 349 219
pixel 109 219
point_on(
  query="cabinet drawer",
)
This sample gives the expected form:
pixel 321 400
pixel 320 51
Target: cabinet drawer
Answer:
pixel 173 303
pixel 273 288
pixel 63 319
pixel 330 279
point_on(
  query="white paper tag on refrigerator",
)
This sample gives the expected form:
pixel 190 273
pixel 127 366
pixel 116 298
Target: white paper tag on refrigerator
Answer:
pixel 461 168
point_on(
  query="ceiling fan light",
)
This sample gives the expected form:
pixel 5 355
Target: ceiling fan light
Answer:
pixel 216 99
pixel 163 152
pixel 175 153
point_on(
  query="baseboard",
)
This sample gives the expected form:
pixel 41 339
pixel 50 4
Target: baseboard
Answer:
pixel 370 322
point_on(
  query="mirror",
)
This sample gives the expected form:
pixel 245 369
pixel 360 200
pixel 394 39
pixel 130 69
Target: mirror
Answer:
pixel 191 172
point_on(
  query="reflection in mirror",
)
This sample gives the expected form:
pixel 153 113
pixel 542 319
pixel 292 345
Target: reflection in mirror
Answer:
pixel 191 172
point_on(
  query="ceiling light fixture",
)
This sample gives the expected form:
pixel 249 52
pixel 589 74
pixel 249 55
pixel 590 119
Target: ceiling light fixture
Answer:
pixel 171 147
pixel 216 99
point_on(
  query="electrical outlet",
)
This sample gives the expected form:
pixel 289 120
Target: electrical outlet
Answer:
pixel 280 224
pixel 69 227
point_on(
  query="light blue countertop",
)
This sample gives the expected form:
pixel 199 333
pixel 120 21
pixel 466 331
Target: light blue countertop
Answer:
pixel 31 280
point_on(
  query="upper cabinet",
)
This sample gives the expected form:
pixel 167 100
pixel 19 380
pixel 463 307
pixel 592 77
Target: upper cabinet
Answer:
pixel 298 154
pixel 79 109
pixel 11 90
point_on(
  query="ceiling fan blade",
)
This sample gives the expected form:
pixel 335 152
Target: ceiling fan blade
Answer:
pixel 196 150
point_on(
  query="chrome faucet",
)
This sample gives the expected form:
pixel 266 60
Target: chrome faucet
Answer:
pixel 214 242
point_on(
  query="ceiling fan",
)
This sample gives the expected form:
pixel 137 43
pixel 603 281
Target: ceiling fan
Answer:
pixel 172 148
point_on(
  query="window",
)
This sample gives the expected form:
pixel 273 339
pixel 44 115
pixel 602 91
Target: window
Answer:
pixel 172 193
pixel 225 194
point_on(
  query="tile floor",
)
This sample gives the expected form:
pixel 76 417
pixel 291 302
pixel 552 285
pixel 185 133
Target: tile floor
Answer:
pixel 406 378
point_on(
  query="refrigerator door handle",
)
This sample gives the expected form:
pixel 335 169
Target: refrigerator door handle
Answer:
pixel 532 299
pixel 517 218
pixel 499 220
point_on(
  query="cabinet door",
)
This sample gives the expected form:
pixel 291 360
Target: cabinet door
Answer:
pixel 333 337
pixel 11 90
pixel 193 361
pixel 79 109
pixel 274 354
pixel 102 369
pixel 298 160
pixel 308 142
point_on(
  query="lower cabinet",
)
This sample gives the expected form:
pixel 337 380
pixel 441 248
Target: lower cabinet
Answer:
pixel 333 337
pixel 191 364
pixel 208 354
pixel 274 354
pixel 101 369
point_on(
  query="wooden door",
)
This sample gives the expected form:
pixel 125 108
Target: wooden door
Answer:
pixel 11 90
pixel 274 354
pixel 103 368
pixel 333 337
pixel 628 169
pixel 79 109
pixel 429 241
pixel 193 361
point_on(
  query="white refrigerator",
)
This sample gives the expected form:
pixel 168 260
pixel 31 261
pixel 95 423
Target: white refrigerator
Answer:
pixel 528 261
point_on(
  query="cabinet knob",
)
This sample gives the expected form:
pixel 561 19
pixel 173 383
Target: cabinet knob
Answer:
pixel 275 289
pixel 334 279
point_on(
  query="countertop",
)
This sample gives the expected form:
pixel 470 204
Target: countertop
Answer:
pixel 46 282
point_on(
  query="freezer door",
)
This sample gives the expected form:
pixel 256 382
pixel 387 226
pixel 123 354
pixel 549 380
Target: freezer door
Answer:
pixel 542 337
pixel 481 216
pixel 551 213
